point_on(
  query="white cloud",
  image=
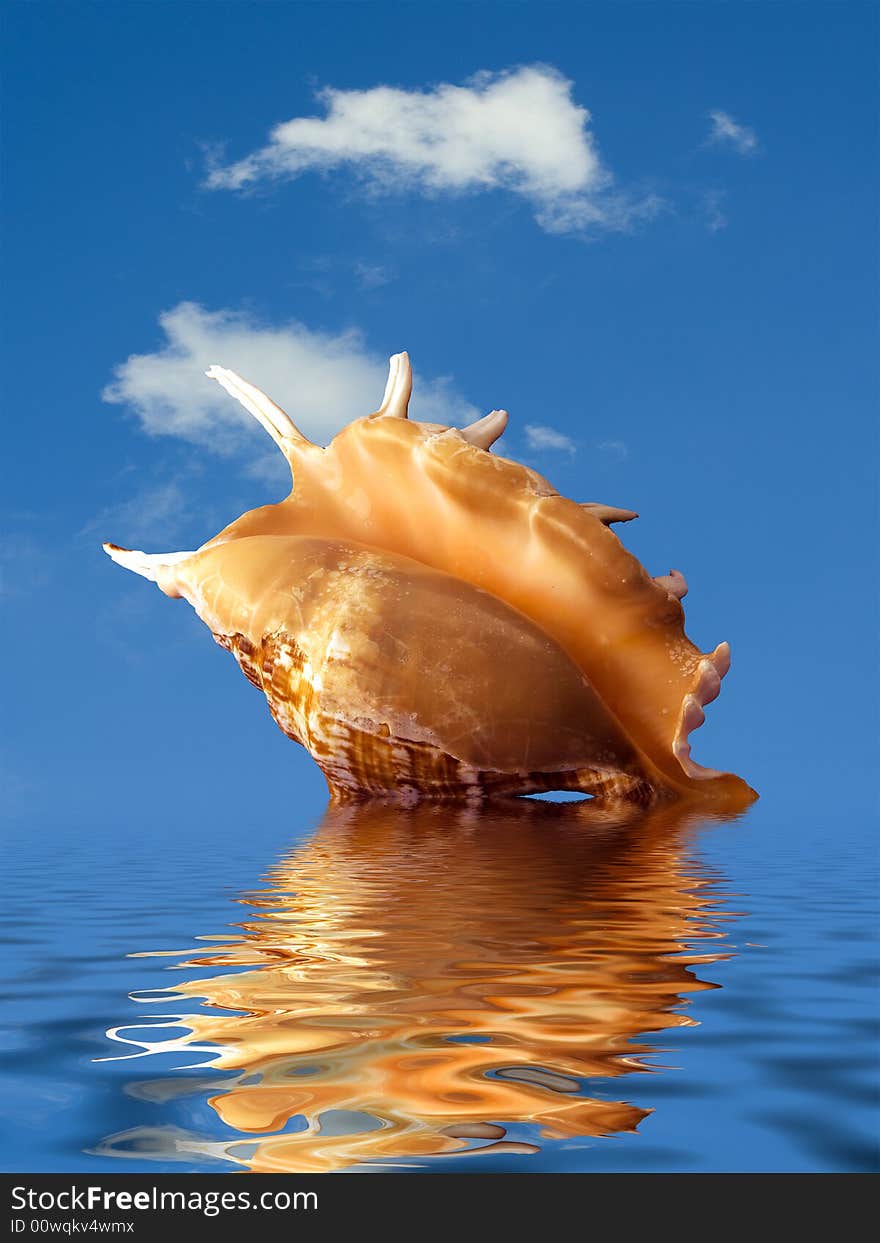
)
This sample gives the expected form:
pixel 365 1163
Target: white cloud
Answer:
pixel 519 130
pixel 322 380
pixel 728 132
pixel 540 438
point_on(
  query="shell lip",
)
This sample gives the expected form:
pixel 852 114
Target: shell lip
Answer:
pixel 710 672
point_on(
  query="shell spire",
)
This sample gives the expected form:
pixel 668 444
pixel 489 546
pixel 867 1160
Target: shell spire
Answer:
pixel 485 431
pixel 398 388
pixel 674 582
pixel 279 425
pixel 608 513
pixel 148 565
pixel 158 567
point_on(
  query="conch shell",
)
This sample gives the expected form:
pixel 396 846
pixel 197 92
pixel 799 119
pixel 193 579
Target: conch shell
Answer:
pixel 431 620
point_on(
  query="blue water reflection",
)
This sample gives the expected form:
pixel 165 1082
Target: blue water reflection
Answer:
pixel 539 989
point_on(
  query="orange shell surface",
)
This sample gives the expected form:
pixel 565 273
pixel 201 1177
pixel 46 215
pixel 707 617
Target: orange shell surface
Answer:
pixel 432 620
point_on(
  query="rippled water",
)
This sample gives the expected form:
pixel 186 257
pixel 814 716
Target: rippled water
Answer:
pixel 542 987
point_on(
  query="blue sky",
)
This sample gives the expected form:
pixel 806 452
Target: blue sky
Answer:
pixel 682 289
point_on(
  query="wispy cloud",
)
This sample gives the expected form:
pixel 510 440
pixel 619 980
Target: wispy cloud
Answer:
pixel 322 380
pixel 726 131
pixel 20 792
pixel 24 565
pixel 519 130
pixel 541 438
pixel 371 275
pixel 154 514
pixel 615 450
pixel 712 207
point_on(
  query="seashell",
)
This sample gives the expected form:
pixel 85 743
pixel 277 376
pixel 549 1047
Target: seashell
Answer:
pixel 431 620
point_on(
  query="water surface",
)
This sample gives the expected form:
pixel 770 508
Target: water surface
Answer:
pixel 536 987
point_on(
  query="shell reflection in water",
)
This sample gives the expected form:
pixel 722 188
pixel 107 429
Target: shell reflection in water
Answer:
pixel 431 981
